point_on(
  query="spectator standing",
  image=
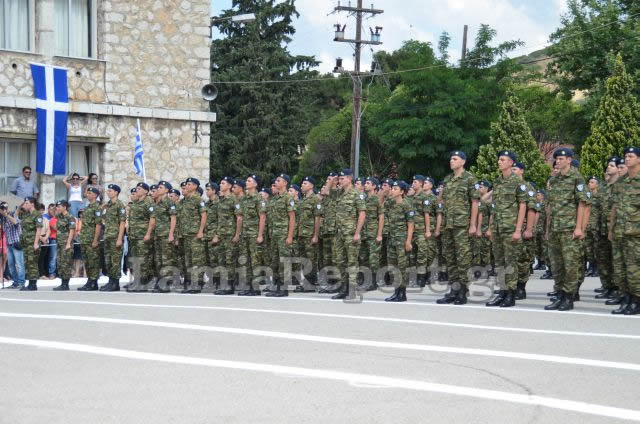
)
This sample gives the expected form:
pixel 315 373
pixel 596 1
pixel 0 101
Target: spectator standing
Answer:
pixel 75 188
pixel 53 244
pixel 15 254
pixel 92 182
pixel 25 186
pixel 43 264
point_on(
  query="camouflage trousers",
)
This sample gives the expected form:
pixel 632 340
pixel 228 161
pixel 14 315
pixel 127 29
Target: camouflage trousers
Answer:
pixel 631 254
pixel 525 257
pixel 442 261
pixel 540 248
pixel 370 254
pixel 30 260
pixel 567 260
pixel 163 255
pixel 64 259
pixel 506 253
pixel 619 264
pixel 604 260
pixel 141 251
pixel 384 251
pixel 194 258
pixel 280 252
pixel 328 246
pixel 112 258
pixel 591 246
pixel 308 250
pixel 398 257
pixel 456 249
pixel 179 256
pixel 251 251
pixel 227 257
pixel 419 255
pixel 345 257
pixel 481 248
pixel 91 260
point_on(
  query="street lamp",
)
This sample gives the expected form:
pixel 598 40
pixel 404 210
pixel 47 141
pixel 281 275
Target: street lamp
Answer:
pixel 244 18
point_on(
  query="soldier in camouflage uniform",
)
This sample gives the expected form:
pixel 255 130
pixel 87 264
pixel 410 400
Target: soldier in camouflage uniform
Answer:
pixel 308 221
pixel 229 231
pixel 509 206
pixel 616 235
pixel 139 232
pixel 385 194
pixel 31 223
pixel 90 240
pixel 460 201
pixel 211 229
pixel 431 209
pixel 593 231
pixel 113 217
pixel 193 222
pixel 254 218
pixel 350 217
pixel 419 256
pixel 526 254
pixel 282 208
pixel 328 230
pixel 539 231
pixel 265 254
pixel 603 249
pixel 568 202
pixel 65 228
pixel 481 243
pixel 626 216
pixel 175 255
pixel 401 225
pixel 372 232
pixel 163 221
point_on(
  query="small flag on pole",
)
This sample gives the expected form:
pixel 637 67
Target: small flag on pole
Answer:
pixel 52 111
pixel 138 156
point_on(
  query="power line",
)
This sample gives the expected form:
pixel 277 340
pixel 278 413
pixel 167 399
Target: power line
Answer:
pixel 466 61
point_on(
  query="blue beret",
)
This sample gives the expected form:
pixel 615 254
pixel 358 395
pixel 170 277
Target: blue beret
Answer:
pixel 296 187
pixel 431 180
pixel 360 179
pixel 613 159
pixel 153 187
pixel 563 152
pixel 403 185
pixel 486 183
pixel 175 191
pixel 114 187
pixel 228 180
pixel 462 155
pixel 544 193
pixel 388 181
pixel 182 184
pixel 510 154
pixel 519 165
pixel 94 190
pixel 309 180
pixel 143 185
pixel 593 177
pixel 620 161
pixel 634 150
pixel 255 178
pixel 62 203
pixel 285 177
pixel 265 190
pixel 373 181
pixel 346 172
pixel 575 163
pixel 333 174
pixel 133 190
pixel 239 182
pixel 193 181
pixel 165 184
pixel 419 177
pixel 213 186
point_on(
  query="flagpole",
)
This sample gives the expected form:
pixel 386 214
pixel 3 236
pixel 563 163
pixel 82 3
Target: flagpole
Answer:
pixel 144 172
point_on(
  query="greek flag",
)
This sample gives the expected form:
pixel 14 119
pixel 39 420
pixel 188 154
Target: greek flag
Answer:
pixel 138 155
pixel 52 111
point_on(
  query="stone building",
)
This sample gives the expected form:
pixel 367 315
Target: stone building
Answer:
pixel 126 60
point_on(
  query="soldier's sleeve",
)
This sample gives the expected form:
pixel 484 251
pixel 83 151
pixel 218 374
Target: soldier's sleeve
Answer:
pixel 262 206
pixel 440 208
pixel 409 212
pixel 237 209
pixel 531 198
pixel 361 203
pixel 39 222
pixel 521 192
pixel 291 204
pixel 122 213
pixel 474 193
pixel 72 224
pixel 172 209
pixel 581 191
pixel 318 210
pixel 202 207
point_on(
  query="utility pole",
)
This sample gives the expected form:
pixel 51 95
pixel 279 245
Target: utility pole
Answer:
pixel 464 45
pixel 356 74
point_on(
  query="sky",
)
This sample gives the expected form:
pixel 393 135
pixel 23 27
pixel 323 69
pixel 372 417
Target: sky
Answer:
pixel 531 21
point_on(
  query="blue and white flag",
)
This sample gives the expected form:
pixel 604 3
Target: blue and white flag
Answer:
pixel 52 111
pixel 138 155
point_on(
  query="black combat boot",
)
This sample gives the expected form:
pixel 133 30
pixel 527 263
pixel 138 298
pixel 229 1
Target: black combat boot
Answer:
pixel 87 286
pixel 521 293
pixel 394 296
pixel 567 302
pixel 461 297
pixel 606 294
pixel 617 300
pixel 548 275
pixel 634 306
pixel 625 301
pixel 509 299
pixel 556 303
pixel 62 287
pixel 497 299
pixel 343 293
pixel 32 286
pixel 448 298
pixel 107 287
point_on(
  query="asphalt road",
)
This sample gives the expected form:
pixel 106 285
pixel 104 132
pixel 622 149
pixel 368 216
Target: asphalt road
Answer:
pixel 77 357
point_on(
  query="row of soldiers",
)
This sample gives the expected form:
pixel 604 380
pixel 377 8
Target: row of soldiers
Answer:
pixel 242 236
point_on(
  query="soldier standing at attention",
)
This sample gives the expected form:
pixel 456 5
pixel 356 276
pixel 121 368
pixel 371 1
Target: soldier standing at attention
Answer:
pixel 194 214
pixel 139 232
pixel 615 236
pixel 283 210
pixel 609 288
pixel 164 226
pixel 401 224
pixel 211 249
pixel 229 231
pixel 568 203
pixel 65 229
pixel 31 223
pixel 328 229
pixel 460 201
pixel 509 206
pixel 482 249
pixel 431 207
pixel 254 218
pixel 372 234
pixel 350 217
pixel 90 240
pixel 593 231
pixel 265 254
pixel 541 218
pixel 114 217
pixel 308 229
pixel 526 254
pixel 420 255
pixel 359 185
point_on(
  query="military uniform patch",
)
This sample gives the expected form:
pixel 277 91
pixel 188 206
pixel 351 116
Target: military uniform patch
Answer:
pixel 477 186
pixel 319 206
pixel 361 196
pixel 122 210
pixel 523 187
pixel 412 213
pixel 292 203
pixel 588 195
pixel 531 193
pixel 39 220
pixel 172 207
pixel 97 213
pixel 538 205
pixel 202 204
pixel 151 209
pixel 237 205
pixel 263 204
pixel 580 187
pixel 427 203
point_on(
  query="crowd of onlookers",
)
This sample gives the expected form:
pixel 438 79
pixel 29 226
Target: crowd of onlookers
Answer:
pixel 11 254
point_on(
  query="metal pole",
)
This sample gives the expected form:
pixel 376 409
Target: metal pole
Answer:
pixel 464 45
pixel 357 94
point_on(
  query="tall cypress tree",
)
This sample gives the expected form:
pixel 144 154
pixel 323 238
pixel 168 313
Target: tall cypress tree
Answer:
pixel 260 126
pixel 616 123
pixel 511 132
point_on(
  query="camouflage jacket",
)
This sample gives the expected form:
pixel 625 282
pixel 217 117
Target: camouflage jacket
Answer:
pixel 508 194
pixel 374 210
pixel 349 205
pixel 162 213
pixel 628 207
pixel 139 215
pixel 457 198
pixel 308 210
pixel 192 209
pixel 253 205
pixel 90 218
pixel 400 215
pixel 228 208
pixel 64 225
pixel 113 213
pixel 565 194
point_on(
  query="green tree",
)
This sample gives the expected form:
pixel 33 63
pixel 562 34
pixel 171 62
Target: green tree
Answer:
pixel 616 124
pixel 260 127
pixel 511 132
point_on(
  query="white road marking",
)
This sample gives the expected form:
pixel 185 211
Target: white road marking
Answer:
pixel 339 316
pixel 340 340
pixel 360 380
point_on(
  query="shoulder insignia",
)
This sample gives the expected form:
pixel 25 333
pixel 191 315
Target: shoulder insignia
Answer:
pixel 412 213
pixel 477 186
pixel 39 220
pixel 151 209
pixel 588 195
pixel 97 213
pixel 426 203
pixel 202 204
pixel 531 193
pixel 292 203
pixel 523 187
pixel 319 206
pixel 493 206
pixel 538 205
pixel 440 205
pixel 172 207
pixel 237 205
pixel 580 187
pixel 263 204
pixel 361 196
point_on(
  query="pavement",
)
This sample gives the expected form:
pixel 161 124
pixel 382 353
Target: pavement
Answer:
pixel 77 357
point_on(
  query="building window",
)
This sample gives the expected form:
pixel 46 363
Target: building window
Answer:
pixel 73 28
pixel 15 19
pixel 13 157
